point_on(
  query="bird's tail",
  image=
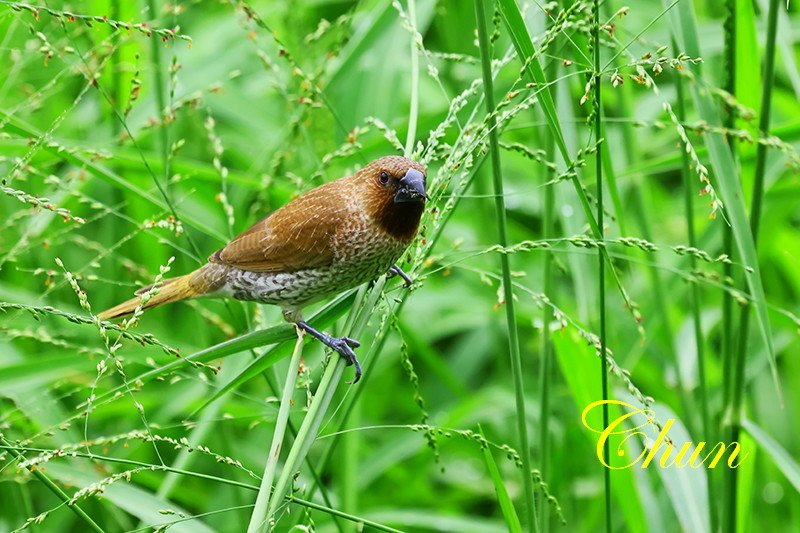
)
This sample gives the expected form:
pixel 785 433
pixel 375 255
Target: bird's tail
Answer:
pixel 171 290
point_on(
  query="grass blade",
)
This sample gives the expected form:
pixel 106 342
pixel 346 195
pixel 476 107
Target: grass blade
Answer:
pixel 783 459
pixel 601 264
pixel 506 505
pixel 739 383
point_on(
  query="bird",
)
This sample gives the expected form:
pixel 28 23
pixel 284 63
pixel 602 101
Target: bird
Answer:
pixel 337 236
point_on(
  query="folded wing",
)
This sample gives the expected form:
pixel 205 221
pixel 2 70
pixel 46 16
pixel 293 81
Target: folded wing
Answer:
pixel 298 236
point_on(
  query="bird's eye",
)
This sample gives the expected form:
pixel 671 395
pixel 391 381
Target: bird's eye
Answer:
pixel 384 178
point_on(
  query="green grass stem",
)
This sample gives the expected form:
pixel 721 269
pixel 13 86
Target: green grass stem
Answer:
pixel 601 264
pixel 258 519
pixel 307 432
pixel 738 384
pixel 727 344
pixel 309 428
pixel 694 303
pixel 511 320
pixel 545 345
pixel 413 111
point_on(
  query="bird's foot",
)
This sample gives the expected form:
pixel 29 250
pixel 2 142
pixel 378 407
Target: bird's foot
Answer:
pixel 397 271
pixel 345 345
pixel 342 345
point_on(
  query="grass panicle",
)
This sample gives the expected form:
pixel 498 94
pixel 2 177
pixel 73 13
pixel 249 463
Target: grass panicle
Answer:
pixel 595 194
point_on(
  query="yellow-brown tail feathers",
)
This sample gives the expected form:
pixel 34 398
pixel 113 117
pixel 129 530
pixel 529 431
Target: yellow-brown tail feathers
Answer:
pixel 171 290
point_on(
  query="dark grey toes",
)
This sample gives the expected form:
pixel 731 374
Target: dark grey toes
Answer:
pixel 351 342
pixel 345 345
pixel 397 271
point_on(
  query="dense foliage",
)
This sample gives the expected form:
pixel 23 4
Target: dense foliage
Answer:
pixel 137 138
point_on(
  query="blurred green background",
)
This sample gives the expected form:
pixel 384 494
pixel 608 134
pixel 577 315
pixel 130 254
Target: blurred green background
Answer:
pixel 230 109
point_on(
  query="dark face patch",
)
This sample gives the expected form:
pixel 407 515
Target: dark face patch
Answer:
pixel 384 182
pixel 401 220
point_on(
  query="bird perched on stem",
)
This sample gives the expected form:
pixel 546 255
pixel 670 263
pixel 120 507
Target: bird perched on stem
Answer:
pixel 332 238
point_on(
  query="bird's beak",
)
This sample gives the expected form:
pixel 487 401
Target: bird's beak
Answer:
pixel 411 187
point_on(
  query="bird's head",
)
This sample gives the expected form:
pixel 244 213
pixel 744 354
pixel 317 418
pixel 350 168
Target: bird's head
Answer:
pixel 395 192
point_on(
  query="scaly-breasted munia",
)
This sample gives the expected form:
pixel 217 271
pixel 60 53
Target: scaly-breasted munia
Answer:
pixel 332 238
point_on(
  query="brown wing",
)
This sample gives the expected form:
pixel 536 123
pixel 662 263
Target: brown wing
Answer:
pixel 297 236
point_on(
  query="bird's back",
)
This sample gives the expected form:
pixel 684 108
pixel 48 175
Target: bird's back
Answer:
pixel 319 244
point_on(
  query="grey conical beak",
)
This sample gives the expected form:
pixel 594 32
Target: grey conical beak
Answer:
pixel 411 187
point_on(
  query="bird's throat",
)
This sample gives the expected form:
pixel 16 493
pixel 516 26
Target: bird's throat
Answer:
pixel 401 220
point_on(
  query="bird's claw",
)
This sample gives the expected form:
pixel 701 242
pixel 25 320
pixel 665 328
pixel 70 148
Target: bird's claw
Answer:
pixel 397 271
pixel 344 346
pixel 351 342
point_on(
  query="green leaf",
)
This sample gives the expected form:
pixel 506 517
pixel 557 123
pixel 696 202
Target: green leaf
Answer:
pixel 31 374
pixel 506 505
pixel 783 460
pixel 578 362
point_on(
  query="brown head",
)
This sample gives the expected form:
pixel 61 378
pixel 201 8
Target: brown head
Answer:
pixel 394 190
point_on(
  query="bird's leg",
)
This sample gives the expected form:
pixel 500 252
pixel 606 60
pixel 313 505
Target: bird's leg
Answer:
pixel 397 271
pixel 343 345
